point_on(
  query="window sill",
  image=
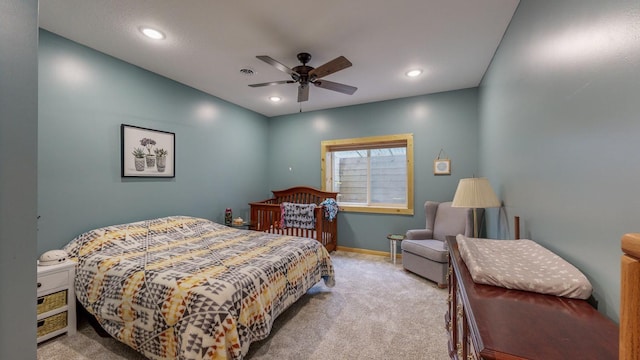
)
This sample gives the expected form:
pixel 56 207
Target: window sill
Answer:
pixel 376 210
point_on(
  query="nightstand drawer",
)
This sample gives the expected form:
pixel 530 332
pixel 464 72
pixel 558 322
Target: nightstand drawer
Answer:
pixel 52 301
pixel 52 323
pixel 52 281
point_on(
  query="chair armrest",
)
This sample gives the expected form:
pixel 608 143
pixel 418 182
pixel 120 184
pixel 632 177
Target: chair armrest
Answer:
pixel 419 234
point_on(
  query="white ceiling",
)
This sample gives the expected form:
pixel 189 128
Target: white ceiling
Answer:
pixel 209 41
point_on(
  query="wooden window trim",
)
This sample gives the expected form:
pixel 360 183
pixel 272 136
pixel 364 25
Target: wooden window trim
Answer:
pixel 372 142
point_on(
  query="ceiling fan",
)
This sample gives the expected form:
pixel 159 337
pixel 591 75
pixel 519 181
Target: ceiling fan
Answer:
pixel 305 75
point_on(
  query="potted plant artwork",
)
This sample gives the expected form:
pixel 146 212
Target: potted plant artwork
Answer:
pixel 154 152
pixel 161 159
pixel 151 159
pixel 139 161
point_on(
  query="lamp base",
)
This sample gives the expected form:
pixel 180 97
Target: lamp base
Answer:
pixel 475 224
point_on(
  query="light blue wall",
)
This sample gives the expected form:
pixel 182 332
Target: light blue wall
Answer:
pixel 85 96
pixel 560 118
pixel 18 174
pixel 446 120
pixel 221 150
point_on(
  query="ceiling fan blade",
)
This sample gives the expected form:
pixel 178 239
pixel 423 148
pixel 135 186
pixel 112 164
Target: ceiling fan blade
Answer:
pixel 303 92
pixel 332 66
pixel 330 85
pixel 276 64
pixel 272 83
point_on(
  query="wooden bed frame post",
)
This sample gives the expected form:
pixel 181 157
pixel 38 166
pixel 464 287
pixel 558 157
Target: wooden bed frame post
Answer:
pixel 630 298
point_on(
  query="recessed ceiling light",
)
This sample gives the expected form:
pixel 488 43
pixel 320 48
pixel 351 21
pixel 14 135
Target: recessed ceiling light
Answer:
pixel 413 73
pixel 152 33
pixel 275 98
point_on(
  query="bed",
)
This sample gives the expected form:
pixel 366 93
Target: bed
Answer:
pixel 266 215
pixel 189 288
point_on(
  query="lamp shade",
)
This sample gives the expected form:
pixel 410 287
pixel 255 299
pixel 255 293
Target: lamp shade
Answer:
pixel 475 193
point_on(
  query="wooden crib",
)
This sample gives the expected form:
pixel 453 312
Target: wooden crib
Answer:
pixel 266 215
pixel 630 298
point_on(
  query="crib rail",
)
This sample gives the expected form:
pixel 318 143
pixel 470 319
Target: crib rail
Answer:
pixel 266 215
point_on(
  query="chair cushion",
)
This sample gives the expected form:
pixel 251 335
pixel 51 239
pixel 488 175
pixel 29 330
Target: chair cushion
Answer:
pixel 430 249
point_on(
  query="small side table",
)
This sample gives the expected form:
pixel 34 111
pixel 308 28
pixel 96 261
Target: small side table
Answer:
pixel 393 239
pixel 245 225
pixel 56 309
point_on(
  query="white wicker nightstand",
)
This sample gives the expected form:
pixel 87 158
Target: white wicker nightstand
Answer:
pixel 56 300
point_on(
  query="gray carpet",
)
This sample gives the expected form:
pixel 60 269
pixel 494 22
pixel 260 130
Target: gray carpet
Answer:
pixel 376 311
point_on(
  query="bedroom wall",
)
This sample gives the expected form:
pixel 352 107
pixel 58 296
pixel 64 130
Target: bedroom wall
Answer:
pixel 559 115
pixel 18 171
pixel 85 95
pixel 445 120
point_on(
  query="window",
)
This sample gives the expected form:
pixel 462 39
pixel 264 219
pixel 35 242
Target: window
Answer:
pixel 373 174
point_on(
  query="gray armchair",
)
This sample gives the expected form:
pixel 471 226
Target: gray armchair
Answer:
pixel 424 251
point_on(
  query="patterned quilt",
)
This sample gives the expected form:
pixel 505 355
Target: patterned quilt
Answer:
pixel 188 288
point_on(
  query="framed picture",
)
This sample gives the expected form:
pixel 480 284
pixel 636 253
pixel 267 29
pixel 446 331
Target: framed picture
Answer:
pixel 442 167
pixel 147 152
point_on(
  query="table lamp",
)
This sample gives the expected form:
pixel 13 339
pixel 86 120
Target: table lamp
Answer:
pixel 475 193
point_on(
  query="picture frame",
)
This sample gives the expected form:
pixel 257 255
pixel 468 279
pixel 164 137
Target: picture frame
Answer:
pixel 147 152
pixel 442 167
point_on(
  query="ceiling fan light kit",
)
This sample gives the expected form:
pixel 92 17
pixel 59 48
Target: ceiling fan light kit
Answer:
pixel 305 75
